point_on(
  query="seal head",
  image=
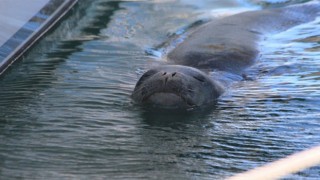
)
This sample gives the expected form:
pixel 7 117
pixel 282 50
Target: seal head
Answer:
pixel 176 86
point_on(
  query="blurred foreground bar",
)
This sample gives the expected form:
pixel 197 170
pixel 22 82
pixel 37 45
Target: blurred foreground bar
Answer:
pixel 23 22
pixel 283 167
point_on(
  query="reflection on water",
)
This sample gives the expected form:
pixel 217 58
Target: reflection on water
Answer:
pixel 66 110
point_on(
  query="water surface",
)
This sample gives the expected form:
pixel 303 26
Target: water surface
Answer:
pixel 66 112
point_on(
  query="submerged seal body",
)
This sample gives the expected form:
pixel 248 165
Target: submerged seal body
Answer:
pixel 228 45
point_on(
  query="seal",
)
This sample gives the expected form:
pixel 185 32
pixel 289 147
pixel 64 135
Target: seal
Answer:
pixel 225 46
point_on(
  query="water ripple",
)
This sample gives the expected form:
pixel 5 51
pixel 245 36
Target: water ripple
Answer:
pixel 66 111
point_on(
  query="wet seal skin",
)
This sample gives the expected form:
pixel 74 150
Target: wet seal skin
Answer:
pixel 228 45
pixel 176 86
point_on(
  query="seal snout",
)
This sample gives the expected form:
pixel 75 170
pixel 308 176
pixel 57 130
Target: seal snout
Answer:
pixel 174 86
pixel 168 76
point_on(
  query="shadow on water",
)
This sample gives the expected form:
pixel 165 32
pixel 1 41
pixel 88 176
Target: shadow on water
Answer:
pixel 62 40
pixel 37 69
pixel 90 30
pixel 101 18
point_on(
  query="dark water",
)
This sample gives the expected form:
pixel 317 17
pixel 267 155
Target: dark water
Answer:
pixel 66 113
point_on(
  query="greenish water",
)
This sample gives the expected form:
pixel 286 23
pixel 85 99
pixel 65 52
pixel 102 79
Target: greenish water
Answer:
pixel 66 112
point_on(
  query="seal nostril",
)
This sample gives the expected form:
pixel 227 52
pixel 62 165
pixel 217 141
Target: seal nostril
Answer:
pixel 164 73
pixel 174 74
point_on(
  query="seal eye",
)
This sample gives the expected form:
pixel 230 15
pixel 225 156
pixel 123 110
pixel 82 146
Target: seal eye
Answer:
pixel 199 78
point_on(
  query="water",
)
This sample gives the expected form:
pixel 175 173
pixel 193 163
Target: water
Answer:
pixel 66 111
